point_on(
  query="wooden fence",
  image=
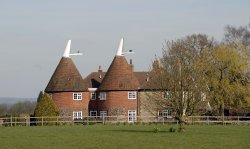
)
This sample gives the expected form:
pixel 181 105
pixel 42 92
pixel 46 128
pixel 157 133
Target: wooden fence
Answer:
pixel 88 120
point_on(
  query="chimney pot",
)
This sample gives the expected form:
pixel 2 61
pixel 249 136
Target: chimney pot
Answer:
pixel 100 68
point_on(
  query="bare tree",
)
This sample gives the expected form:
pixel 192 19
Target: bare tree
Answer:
pixel 237 36
pixel 181 77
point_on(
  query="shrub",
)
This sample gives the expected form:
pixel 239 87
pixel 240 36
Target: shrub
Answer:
pixel 156 130
pixel 171 129
pixel 45 108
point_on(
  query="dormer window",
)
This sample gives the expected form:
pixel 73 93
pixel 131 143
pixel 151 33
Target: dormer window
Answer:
pixel 77 96
pixel 131 95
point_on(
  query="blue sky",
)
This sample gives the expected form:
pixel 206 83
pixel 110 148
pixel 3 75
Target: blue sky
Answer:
pixel 33 34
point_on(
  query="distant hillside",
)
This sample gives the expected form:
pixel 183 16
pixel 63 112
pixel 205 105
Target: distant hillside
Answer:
pixel 11 100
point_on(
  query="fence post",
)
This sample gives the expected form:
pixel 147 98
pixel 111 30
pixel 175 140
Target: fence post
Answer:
pixel 238 120
pixel 223 119
pixel 207 120
pixel 42 120
pixel 11 120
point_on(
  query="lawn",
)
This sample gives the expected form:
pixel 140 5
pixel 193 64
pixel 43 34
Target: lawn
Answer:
pixel 125 136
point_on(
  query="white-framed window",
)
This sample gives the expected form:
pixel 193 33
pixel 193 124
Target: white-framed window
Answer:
pixel 103 113
pixel 165 113
pixel 102 95
pixel 203 96
pixel 186 95
pixel 166 95
pixel 131 95
pixel 77 115
pixel 77 96
pixel 93 96
pixel 92 113
pixel 131 115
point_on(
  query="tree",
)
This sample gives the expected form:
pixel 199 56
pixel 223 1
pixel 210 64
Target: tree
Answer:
pixel 180 75
pixel 237 36
pixel 25 107
pixel 45 107
pixel 225 69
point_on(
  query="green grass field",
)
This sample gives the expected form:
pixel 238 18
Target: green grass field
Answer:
pixel 125 136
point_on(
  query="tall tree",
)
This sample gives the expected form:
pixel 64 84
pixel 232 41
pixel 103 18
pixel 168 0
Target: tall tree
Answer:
pixel 225 69
pixel 181 77
pixel 237 36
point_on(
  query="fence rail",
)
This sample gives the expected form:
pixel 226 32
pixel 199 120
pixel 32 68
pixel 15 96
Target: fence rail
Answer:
pixel 63 120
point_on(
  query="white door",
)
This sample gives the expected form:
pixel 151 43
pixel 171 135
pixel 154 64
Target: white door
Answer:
pixel 131 115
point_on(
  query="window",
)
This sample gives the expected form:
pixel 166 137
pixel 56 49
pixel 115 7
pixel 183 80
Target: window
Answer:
pixel 93 96
pixel 185 95
pixel 103 113
pixel 203 96
pixel 102 95
pixel 77 96
pixel 166 95
pixel 131 95
pixel 131 115
pixel 165 113
pixel 93 113
pixel 77 115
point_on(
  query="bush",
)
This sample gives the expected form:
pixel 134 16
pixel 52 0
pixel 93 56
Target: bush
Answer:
pixel 171 129
pixel 46 108
pixel 156 130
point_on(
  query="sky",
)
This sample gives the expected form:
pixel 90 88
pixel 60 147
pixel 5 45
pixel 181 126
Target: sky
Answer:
pixel 33 34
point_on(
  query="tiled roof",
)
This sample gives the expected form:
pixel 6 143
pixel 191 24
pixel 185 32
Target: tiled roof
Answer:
pixel 119 76
pixel 94 79
pixel 65 78
pixel 148 81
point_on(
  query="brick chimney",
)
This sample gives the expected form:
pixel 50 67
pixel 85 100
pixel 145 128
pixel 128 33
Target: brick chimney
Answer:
pixel 100 71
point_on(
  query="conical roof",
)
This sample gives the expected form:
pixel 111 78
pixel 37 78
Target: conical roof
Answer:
pixel 119 76
pixel 66 77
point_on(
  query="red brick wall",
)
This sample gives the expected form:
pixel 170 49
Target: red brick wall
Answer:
pixel 93 104
pixel 65 102
pixel 117 103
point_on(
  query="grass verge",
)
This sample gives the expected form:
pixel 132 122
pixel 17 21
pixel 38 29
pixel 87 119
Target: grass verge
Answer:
pixel 125 136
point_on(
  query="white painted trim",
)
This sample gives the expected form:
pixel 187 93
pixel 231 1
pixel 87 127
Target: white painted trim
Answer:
pixel 67 49
pixel 91 95
pixel 132 93
pixel 93 111
pixel 134 118
pixel 77 117
pixel 120 48
pixel 78 94
pixel 104 93
pixel 103 111
pixel 92 89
